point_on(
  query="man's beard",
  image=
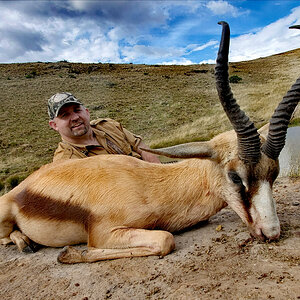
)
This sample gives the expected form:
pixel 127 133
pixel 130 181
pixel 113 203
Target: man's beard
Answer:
pixel 80 132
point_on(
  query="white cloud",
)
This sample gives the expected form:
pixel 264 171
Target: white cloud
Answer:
pixel 202 47
pixel 181 61
pixel 89 35
pixel 148 53
pixel 131 31
pixel 80 4
pixel 208 61
pixel 274 38
pixel 87 42
pixel 222 8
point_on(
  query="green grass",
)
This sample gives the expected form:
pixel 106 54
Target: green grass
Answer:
pixel 295 122
pixel 166 105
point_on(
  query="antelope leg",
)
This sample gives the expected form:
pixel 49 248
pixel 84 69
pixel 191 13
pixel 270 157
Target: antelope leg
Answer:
pixel 22 241
pixel 123 242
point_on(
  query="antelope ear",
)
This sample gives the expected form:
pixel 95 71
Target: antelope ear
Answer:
pixel 263 131
pixel 188 150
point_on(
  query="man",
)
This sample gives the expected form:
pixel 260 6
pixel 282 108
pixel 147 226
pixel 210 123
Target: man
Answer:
pixel 82 138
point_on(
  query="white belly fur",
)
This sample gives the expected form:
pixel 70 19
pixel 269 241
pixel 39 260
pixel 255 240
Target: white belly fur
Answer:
pixel 52 233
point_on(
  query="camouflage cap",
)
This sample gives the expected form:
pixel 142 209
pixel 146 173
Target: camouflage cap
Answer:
pixel 57 101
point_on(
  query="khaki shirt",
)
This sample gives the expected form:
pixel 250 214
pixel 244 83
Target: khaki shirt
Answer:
pixel 112 138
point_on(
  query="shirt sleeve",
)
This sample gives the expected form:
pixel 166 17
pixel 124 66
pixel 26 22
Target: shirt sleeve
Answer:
pixel 134 140
pixel 131 138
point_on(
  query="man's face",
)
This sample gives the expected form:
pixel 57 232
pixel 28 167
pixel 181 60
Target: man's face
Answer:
pixel 73 121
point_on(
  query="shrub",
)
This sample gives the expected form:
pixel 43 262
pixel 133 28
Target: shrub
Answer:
pixel 75 71
pixel 111 84
pixel 235 79
pixel 32 74
pixel 13 181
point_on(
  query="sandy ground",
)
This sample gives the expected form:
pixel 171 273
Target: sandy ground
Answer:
pixel 208 263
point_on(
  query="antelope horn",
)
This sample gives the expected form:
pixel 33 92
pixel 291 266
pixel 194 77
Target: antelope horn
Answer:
pixel 247 135
pixel 188 150
pixel 295 27
pixel 280 120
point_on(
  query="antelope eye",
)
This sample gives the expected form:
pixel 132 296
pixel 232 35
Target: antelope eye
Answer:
pixel 235 178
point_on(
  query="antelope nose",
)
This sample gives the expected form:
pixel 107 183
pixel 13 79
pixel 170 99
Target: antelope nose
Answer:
pixel 271 233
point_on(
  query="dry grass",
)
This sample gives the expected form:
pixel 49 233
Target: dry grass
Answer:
pixel 165 104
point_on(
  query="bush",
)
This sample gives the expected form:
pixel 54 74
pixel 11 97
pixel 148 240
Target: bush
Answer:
pixel 111 84
pixel 1 186
pixel 13 181
pixel 32 74
pixel 235 79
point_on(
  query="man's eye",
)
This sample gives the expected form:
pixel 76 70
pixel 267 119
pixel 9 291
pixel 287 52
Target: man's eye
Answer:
pixel 236 179
pixel 63 115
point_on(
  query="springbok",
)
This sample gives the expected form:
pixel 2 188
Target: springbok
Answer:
pixel 124 207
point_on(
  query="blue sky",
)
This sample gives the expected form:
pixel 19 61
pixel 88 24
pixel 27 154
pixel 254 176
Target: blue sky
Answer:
pixel 144 32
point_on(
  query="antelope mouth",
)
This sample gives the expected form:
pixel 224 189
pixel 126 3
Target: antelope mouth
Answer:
pixel 264 236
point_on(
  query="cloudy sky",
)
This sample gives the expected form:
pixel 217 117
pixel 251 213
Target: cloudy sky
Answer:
pixel 145 31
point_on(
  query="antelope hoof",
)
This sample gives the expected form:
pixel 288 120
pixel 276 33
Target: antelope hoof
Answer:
pixel 21 241
pixel 24 246
pixel 32 247
pixel 69 255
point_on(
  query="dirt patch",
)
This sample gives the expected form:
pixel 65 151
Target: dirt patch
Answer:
pixel 215 260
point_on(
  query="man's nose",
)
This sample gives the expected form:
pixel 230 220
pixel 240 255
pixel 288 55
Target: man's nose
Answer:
pixel 74 116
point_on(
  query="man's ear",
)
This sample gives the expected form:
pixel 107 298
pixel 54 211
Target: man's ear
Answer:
pixel 52 124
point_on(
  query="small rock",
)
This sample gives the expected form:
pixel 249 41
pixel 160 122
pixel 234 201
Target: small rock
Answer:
pixel 219 228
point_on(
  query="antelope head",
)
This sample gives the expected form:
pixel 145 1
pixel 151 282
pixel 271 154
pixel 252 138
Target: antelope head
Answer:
pixel 247 157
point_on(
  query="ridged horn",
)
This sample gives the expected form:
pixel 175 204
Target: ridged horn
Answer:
pixel 247 135
pixel 188 150
pixel 295 27
pixel 280 120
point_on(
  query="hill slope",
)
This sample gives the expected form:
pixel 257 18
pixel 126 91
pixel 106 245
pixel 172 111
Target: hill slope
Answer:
pixel 165 104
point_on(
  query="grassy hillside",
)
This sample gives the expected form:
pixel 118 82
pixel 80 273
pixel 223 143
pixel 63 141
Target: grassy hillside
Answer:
pixel 165 104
